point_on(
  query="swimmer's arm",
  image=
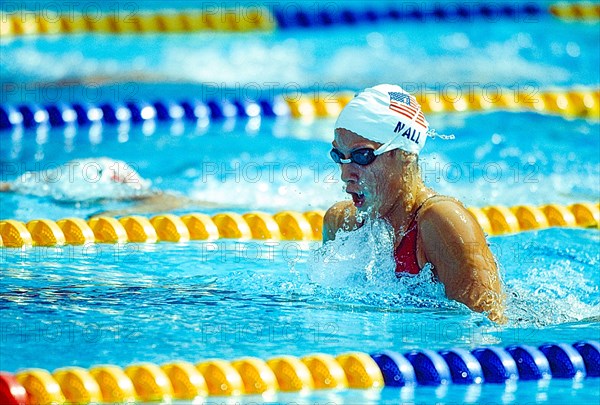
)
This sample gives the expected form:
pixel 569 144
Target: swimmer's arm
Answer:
pixel 455 244
pixel 5 187
pixel 341 215
pixel 158 202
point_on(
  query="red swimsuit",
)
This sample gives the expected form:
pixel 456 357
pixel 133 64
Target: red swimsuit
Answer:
pixel 406 252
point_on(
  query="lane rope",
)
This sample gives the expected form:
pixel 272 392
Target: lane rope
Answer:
pixel 181 380
pixel 284 225
pixel 130 20
pixel 570 103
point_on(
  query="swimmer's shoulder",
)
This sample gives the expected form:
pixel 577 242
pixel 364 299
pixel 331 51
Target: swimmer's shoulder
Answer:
pixel 445 209
pixel 442 220
pixel 341 215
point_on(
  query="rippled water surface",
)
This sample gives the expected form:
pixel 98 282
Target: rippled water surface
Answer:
pixel 120 304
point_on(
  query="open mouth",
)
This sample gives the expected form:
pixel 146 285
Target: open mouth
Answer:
pixel 358 199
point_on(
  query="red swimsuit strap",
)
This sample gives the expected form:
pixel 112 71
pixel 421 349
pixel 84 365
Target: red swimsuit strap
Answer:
pixel 405 254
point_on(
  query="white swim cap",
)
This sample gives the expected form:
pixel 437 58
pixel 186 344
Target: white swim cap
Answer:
pixel 85 180
pixel 386 114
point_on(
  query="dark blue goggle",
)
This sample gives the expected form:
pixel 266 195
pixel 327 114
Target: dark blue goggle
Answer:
pixel 362 156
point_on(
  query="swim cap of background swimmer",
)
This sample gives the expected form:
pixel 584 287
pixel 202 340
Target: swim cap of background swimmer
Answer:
pixel 386 114
pixel 84 180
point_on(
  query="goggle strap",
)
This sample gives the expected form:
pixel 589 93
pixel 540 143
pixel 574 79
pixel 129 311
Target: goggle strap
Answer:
pixel 386 146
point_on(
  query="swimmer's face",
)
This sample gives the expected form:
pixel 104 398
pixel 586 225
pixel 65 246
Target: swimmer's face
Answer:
pixel 375 186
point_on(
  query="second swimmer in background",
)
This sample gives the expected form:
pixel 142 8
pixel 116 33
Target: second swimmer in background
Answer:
pixel 98 180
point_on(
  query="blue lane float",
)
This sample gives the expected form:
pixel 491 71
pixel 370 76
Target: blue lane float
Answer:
pixel 565 361
pixel 88 114
pixel 397 371
pixel 497 364
pixel 61 114
pixel 222 109
pixel 532 364
pixel 590 353
pixel 169 111
pixel 115 114
pixel 464 367
pixel 33 116
pixel 248 108
pixel 10 118
pixel 195 110
pixel 430 367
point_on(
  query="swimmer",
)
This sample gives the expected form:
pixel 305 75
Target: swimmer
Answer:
pixel 378 137
pixel 99 180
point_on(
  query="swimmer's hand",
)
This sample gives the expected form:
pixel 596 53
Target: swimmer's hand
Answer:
pixel 5 187
pixel 157 202
pixel 341 215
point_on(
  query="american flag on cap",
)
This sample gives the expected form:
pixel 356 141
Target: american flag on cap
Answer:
pixel 384 114
pixel 405 104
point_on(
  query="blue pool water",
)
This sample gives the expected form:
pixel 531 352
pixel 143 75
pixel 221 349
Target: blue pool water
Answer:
pixel 121 304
